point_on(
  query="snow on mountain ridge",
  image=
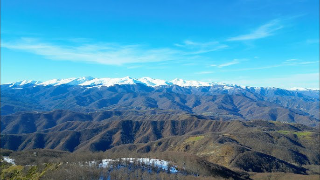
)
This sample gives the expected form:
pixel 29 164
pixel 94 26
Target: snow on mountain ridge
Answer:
pixel 68 81
pixel 153 82
pixel 302 89
pixel 183 83
pixel 24 82
pixel 107 82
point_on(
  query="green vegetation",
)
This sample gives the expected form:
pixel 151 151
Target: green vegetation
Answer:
pixel 34 172
pixel 75 166
pixel 5 152
pixel 283 176
pixel 205 149
pixel 52 164
pixel 194 138
pixel 300 134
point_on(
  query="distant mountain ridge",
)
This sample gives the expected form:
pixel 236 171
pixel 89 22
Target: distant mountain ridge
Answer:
pixel 215 101
pixel 251 129
pixel 107 82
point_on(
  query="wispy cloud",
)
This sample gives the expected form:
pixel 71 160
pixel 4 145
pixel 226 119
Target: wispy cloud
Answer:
pixel 296 62
pixel 111 53
pixel 233 62
pixel 201 47
pixel 312 41
pixel 204 72
pixel 308 80
pixel 263 31
pixel 190 64
pixel 103 53
pixel 134 67
pixel 289 62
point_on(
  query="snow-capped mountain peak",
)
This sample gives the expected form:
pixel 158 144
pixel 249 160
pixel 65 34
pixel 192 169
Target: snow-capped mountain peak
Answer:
pixel 183 83
pixel 68 81
pixel 153 82
pixel 24 82
pixel 107 82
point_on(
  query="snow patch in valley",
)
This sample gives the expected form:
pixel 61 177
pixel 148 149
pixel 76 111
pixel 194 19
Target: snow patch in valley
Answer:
pixel 8 160
pixel 158 163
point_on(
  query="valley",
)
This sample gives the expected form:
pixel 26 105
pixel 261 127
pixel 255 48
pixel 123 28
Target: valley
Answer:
pixel 207 131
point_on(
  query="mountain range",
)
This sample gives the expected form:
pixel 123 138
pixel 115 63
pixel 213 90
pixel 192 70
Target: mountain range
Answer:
pixel 245 129
pixel 106 82
pixel 214 100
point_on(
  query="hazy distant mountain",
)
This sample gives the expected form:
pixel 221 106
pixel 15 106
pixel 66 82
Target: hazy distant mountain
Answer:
pixel 214 100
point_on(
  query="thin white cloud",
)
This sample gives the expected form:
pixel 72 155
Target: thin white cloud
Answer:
pixel 110 53
pixel 309 80
pixel 308 62
pixel 233 62
pixel 295 62
pixel 133 67
pixel 261 32
pixel 312 41
pixel 289 62
pixel 204 72
pixel 201 47
pixel 190 64
pixel 106 53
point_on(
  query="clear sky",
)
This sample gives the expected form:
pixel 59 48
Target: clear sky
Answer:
pixel 246 42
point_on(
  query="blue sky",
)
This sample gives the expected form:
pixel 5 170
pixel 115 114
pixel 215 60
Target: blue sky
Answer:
pixel 245 42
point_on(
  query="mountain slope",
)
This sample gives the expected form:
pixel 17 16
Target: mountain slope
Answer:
pixel 216 101
pixel 269 146
pixel 58 120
